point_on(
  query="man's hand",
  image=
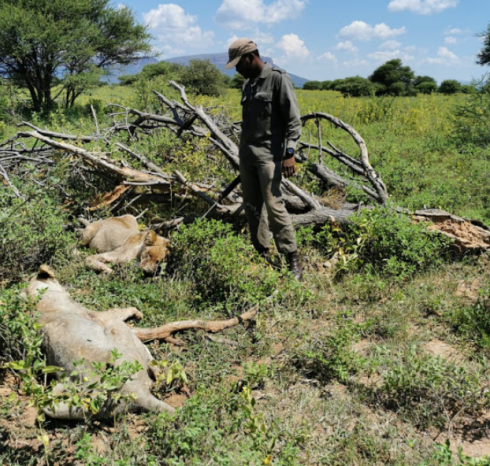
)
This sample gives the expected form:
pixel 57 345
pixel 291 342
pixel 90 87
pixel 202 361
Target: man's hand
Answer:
pixel 288 167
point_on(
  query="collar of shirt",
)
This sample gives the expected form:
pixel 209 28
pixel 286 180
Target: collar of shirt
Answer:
pixel 266 70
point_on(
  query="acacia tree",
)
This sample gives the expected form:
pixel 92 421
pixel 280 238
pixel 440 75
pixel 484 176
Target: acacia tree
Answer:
pixel 203 77
pixel 393 78
pixel 484 55
pixel 55 47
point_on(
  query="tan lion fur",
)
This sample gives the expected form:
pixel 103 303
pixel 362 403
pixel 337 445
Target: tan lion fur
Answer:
pixel 118 240
pixel 72 332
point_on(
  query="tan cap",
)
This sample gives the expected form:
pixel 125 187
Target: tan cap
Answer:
pixel 239 48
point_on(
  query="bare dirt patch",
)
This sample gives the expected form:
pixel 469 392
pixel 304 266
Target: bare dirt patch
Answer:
pixel 439 348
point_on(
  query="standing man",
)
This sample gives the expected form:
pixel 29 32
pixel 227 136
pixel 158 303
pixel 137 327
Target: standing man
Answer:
pixel 271 128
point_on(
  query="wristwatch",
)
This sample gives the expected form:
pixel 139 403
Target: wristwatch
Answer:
pixel 289 153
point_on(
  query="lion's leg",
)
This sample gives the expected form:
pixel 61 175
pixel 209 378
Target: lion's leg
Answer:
pixel 120 314
pixel 98 262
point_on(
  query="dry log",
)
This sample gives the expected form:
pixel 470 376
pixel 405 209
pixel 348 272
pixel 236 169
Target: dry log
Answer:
pixel 468 235
pixel 165 331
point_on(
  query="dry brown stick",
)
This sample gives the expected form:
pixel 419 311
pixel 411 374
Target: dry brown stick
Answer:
pixel 148 163
pixel 371 175
pixel 165 331
pixel 3 173
pixel 52 134
pixel 94 158
pixel 94 115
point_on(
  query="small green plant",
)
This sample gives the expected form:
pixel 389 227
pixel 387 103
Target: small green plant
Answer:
pixel 223 267
pixel 255 374
pixel 386 242
pixel 172 376
pixel 473 321
pixel 428 389
pixel 473 116
pixel 86 454
pixel 32 232
pixel 443 456
pixel 330 357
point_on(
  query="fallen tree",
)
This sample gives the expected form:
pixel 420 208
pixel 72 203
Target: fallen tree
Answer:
pixel 184 118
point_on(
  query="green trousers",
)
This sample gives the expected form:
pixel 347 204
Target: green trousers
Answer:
pixel 264 206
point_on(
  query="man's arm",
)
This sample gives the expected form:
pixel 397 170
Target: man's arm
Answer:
pixel 290 114
pixel 289 111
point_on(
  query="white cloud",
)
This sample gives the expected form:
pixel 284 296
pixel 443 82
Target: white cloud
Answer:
pixel 328 57
pixel 422 7
pixel 360 30
pixel 390 45
pixel 453 32
pixel 390 55
pixel 245 14
pixel 260 38
pixel 175 30
pixel 293 48
pixel 450 40
pixel 348 46
pixel 444 57
pixel 356 63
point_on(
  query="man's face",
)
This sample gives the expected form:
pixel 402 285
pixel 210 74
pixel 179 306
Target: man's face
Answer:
pixel 244 66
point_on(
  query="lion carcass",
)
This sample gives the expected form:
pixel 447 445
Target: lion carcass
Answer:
pixel 73 333
pixel 118 240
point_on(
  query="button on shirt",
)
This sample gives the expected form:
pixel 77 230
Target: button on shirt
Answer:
pixel 270 115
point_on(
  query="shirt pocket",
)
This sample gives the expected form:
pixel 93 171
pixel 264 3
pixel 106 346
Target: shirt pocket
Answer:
pixel 263 104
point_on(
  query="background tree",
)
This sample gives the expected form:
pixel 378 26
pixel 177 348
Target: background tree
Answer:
pixel 425 84
pixel 326 85
pixel 484 55
pixel 202 77
pixel 355 86
pixel 389 76
pixel 426 87
pixel 450 86
pixel 237 81
pixel 154 70
pixel 313 86
pixel 65 44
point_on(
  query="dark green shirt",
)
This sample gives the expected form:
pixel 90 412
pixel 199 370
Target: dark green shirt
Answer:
pixel 270 115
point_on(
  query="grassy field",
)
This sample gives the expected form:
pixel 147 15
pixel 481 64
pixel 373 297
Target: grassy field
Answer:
pixel 379 357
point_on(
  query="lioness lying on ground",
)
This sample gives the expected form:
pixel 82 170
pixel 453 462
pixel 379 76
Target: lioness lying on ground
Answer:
pixel 73 332
pixel 119 240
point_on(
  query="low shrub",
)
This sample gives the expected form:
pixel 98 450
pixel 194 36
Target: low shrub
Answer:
pixel 31 232
pixel 224 269
pixel 473 321
pixel 386 242
pixel 427 389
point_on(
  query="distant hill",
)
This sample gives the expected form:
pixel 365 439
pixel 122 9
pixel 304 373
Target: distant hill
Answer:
pixel 220 60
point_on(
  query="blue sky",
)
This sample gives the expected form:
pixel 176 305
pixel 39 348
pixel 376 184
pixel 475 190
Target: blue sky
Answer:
pixel 327 39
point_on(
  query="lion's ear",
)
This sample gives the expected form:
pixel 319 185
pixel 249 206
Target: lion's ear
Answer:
pixel 151 237
pixel 45 271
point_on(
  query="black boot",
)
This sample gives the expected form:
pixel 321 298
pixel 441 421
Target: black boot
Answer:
pixel 295 267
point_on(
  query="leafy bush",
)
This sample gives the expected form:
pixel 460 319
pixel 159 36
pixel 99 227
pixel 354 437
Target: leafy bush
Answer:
pixel 222 266
pixel 474 321
pixel 426 389
pixel 384 241
pixel 473 116
pixel 32 233
pixel 201 429
pixel 328 358
pixel 202 77
pixel 449 86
